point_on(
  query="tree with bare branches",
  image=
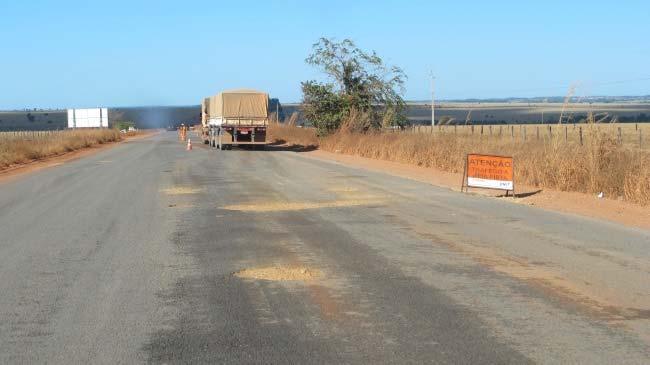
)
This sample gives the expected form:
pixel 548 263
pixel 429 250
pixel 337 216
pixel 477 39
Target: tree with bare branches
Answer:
pixel 360 84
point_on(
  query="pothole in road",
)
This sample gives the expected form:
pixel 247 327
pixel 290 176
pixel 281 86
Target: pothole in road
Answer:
pixel 181 206
pixel 279 273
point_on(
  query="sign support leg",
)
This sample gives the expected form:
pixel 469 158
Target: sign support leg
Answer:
pixel 463 184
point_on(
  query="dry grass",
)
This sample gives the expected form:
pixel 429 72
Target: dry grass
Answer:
pixel 601 164
pixel 17 149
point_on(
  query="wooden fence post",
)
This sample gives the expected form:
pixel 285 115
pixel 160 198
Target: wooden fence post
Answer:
pixel 566 134
pixel 481 129
pixel 512 132
pixel 472 128
pixel 620 136
pixel 524 133
pixel 581 136
pixel 640 139
pixel 550 132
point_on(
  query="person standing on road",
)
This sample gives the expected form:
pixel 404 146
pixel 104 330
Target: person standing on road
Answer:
pixel 182 132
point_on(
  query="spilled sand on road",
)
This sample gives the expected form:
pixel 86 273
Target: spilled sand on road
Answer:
pixel 291 206
pixel 343 189
pixel 353 193
pixel 279 273
pixel 180 190
pixel 348 197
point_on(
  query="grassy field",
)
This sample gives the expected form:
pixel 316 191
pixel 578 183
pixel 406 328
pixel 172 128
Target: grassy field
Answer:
pixel 22 147
pixel 522 112
pixel 513 112
pixel 600 164
pixel 33 120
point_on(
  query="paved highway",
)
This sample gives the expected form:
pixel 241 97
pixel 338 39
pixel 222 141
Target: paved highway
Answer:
pixel 148 253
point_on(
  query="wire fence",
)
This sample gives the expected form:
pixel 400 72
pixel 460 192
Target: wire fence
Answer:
pixel 628 134
pixel 31 135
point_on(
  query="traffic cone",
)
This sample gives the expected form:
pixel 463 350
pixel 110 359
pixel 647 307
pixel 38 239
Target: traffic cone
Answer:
pixel 189 145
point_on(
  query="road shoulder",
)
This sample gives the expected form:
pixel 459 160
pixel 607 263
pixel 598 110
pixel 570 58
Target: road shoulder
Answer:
pixel 582 204
pixel 18 170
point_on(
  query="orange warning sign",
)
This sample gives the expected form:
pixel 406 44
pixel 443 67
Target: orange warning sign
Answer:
pixel 492 172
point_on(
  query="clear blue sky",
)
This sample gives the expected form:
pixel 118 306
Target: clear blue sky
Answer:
pixel 122 53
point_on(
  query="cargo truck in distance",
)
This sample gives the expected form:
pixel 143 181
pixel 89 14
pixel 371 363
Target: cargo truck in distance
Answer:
pixel 235 118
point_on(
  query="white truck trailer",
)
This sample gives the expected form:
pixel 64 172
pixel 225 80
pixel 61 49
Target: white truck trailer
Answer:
pixel 235 118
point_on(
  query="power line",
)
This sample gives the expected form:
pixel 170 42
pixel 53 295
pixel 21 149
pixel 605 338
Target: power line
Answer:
pixel 433 102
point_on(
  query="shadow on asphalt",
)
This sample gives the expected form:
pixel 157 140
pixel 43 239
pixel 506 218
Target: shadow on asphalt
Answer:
pixel 280 145
pixel 522 195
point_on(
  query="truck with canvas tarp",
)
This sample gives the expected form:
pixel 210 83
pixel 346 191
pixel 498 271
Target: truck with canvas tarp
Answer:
pixel 235 118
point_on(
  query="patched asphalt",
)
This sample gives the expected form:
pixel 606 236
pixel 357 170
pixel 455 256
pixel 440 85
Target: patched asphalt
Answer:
pixel 131 255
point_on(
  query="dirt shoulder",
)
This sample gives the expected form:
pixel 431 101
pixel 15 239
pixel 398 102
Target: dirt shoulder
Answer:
pixel 17 170
pixel 587 205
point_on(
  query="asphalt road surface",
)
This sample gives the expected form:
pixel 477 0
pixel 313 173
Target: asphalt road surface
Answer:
pixel 148 253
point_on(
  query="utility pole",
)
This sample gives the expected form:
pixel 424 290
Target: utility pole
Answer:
pixel 433 101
